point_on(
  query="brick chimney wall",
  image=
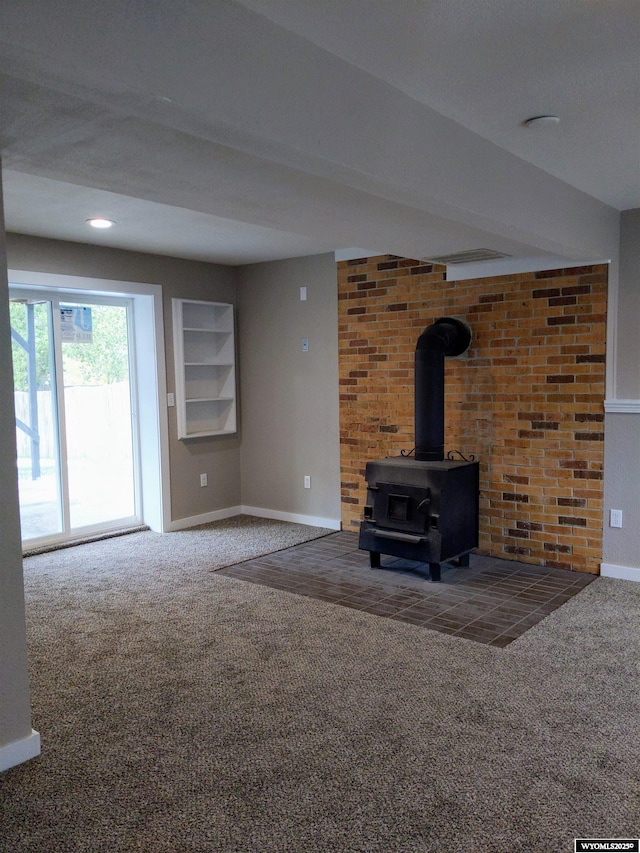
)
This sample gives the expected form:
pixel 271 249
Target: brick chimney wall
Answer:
pixel 527 399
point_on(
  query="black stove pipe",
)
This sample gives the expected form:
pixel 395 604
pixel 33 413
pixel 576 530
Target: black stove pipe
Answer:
pixel 446 337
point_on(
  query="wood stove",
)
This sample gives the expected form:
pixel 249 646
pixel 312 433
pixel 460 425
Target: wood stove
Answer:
pixel 425 507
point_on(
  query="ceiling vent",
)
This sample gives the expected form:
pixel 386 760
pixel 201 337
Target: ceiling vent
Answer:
pixel 471 256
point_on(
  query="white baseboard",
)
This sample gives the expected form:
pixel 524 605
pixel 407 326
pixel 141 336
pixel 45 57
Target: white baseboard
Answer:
pixel 259 512
pixel 295 518
pixel 625 573
pixel 19 751
pixel 205 518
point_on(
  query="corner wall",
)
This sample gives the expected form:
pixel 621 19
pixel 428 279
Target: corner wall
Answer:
pixel 17 740
pixel 527 399
pixel 289 398
pixel 622 448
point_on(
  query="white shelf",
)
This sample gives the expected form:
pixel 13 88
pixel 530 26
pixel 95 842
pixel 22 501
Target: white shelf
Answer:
pixel 204 350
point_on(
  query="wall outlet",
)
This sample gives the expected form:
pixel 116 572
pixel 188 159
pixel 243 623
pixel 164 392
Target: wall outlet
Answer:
pixel 305 345
pixel 203 479
pixel 171 400
pixel 307 481
pixel 303 294
pixel 615 518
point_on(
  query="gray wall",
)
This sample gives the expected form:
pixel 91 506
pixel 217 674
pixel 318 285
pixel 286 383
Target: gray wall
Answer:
pixel 219 458
pixel 622 489
pixel 622 429
pixel 288 414
pixel 15 713
pixel 290 419
pixel 628 354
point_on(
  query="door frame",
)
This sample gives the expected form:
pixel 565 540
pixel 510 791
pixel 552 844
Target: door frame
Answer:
pixel 149 373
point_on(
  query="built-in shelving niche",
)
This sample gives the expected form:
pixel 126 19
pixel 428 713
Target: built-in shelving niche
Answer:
pixel 204 349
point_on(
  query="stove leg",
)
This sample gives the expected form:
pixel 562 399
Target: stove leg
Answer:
pixel 434 571
pixel 463 561
pixel 374 559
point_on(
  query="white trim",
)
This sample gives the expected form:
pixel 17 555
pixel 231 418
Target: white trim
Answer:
pixel 88 284
pixel 205 518
pixel 629 407
pixel 19 751
pixel 296 518
pixel 258 512
pixel 625 573
pixel 153 423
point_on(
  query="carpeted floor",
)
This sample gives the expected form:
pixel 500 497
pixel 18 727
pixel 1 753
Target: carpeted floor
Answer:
pixel 182 711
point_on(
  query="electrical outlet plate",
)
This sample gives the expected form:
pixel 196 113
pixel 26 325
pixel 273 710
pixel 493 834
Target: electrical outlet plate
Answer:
pixel 615 518
pixel 203 480
pixel 305 345
pixel 307 481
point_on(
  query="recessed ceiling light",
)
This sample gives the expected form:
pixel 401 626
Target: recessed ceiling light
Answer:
pixel 101 223
pixel 542 121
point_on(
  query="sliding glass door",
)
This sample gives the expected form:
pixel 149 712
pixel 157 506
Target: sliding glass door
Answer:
pixel 75 418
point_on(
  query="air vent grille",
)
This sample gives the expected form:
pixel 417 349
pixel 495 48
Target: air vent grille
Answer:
pixel 471 256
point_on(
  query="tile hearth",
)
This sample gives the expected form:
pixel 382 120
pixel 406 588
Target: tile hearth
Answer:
pixel 494 601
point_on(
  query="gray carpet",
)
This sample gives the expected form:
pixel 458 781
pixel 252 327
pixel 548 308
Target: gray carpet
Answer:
pixel 31 551
pixel 181 710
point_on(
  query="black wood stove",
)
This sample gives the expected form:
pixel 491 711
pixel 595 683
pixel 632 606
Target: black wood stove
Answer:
pixel 425 507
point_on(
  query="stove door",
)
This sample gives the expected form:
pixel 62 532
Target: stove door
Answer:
pixel 400 507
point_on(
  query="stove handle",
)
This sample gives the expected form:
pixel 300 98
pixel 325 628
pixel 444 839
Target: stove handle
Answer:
pixel 400 537
pixel 425 504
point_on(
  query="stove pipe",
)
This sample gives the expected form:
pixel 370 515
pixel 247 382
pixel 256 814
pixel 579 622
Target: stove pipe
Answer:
pixel 446 337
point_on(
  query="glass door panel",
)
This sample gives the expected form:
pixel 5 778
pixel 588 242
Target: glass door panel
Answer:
pixel 39 481
pixel 98 414
pixel 76 442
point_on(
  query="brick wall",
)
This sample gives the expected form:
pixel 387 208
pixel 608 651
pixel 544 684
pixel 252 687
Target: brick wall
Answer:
pixel 527 399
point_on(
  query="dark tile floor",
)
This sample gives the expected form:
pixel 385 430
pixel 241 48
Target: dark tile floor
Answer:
pixel 493 601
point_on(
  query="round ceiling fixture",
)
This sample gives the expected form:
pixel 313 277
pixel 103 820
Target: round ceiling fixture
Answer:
pixel 542 121
pixel 97 222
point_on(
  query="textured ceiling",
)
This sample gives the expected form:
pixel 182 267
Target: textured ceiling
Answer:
pixel 246 131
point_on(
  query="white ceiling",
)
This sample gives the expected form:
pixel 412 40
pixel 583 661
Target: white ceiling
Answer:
pixel 245 131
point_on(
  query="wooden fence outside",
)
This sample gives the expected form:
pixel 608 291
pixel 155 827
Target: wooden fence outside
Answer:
pixel 98 422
